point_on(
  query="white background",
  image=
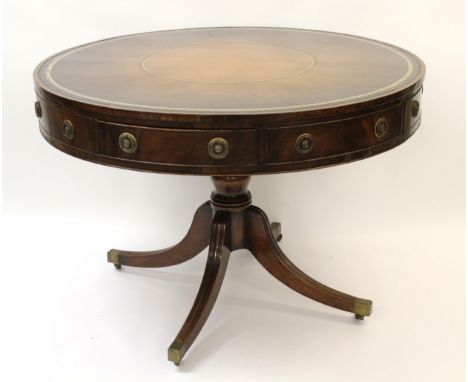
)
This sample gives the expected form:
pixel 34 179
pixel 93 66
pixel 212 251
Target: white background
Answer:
pixel 389 228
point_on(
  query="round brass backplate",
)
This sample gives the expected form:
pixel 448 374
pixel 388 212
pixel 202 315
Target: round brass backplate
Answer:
pixel 304 143
pixel 415 108
pixel 381 127
pixel 218 148
pixel 68 129
pixel 38 109
pixel 127 143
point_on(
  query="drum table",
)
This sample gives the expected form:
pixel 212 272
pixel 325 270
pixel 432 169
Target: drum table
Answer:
pixel 229 103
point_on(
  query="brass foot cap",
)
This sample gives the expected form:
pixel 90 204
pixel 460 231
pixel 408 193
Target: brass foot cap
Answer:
pixel 362 307
pixel 176 352
pixel 113 257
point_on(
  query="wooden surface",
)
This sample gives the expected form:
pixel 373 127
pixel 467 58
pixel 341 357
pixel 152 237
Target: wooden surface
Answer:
pixel 234 224
pixel 259 89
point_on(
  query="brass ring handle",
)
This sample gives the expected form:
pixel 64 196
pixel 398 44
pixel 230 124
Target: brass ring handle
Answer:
pixel 415 108
pixel 304 143
pixel 381 127
pixel 127 143
pixel 68 129
pixel 218 148
pixel 38 109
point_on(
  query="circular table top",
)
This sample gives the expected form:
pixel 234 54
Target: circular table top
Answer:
pixel 230 79
pixel 230 71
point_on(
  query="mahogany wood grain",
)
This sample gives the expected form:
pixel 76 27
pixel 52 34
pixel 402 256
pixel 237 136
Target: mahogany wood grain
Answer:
pixel 216 265
pixel 262 244
pixel 257 88
pixel 194 242
pixel 229 103
pixel 236 225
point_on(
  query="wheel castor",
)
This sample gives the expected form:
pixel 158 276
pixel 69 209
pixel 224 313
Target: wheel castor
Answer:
pixel 117 266
pixel 359 316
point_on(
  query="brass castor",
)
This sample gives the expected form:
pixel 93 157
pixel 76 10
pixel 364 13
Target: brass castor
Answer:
pixel 359 316
pixel 117 266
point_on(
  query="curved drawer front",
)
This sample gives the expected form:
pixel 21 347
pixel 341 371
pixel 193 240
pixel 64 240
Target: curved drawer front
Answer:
pixel 178 147
pixel 335 138
pixel 412 113
pixel 265 149
pixel 66 127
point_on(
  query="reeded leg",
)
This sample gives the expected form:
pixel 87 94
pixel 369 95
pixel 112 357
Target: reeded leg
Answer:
pixel 195 241
pixel 218 257
pixel 262 244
